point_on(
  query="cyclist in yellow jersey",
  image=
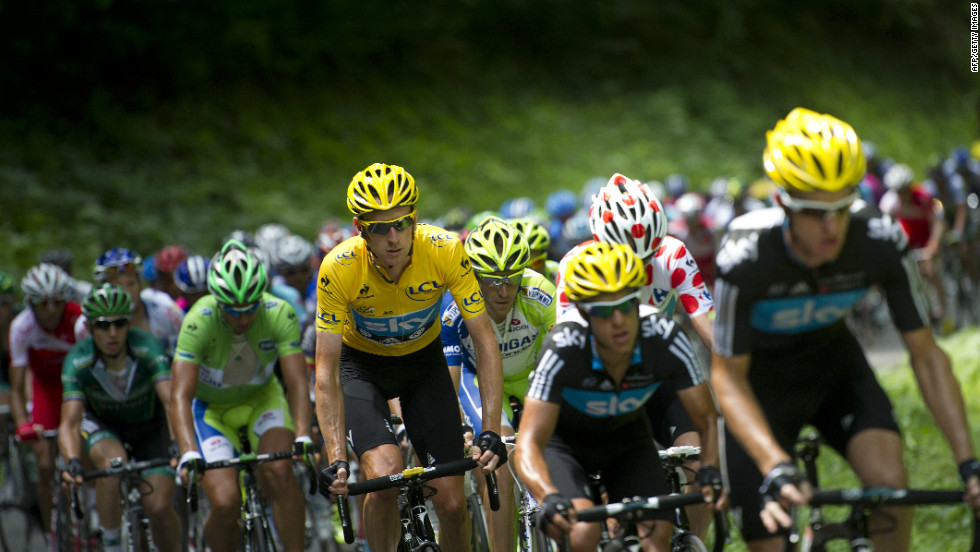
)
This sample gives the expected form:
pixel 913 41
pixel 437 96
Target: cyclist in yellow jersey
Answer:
pixel 377 321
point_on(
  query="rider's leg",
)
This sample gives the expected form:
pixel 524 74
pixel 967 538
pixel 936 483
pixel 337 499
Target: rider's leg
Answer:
pixel 158 506
pixel 382 522
pixel 280 487
pixel 221 530
pixel 876 457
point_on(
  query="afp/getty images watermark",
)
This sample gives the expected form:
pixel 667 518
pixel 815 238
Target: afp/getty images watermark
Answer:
pixel 974 37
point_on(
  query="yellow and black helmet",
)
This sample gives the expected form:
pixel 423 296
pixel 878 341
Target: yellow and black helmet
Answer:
pixel 381 187
pixel 602 267
pixel 809 151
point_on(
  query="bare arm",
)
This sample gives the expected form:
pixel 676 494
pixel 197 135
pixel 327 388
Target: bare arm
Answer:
pixel 163 392
pixel 489 370
pixel 18 391
pixel 294 375
pixel 538 423
pixel 743 415
pixel 701 409
pixel 744 418
pixel 183 387
pixel 329 396
pixel 702 327
pixel 940 390
pixel 70 431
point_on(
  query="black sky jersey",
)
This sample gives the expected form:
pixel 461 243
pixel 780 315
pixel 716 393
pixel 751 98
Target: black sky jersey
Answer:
pixel 768 303
pixel 570 374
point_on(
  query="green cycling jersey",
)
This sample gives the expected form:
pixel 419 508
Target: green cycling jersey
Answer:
pixel 234 367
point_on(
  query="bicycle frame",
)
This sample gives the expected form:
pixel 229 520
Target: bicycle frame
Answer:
pixel 418 534
pixel 135 523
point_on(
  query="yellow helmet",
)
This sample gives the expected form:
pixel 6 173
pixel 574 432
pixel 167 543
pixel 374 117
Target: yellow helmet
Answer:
pixel 381 187
pixel 602 267
pixel 808 151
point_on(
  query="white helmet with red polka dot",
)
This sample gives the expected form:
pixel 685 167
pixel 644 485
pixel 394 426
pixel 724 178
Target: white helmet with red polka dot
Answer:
pixel 626 211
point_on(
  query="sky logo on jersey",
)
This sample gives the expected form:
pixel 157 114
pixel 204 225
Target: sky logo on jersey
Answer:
pixel 403 327
pixel 424 291
pixel 599 404
pixel 473 303
pixel 792 315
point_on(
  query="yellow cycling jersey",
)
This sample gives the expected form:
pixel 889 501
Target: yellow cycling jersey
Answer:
pixel 380 317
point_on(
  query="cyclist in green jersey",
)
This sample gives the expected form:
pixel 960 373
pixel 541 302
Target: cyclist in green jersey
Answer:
pixel 116 387
pixel 521 304
pixel 224 379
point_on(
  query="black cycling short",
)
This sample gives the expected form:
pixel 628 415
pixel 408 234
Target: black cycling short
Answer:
pixel 835 391
pixel 668 417
pixel 144 441
pixel 421 381
pixel 628 463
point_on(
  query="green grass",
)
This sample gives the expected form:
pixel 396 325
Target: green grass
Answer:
pixel 927 456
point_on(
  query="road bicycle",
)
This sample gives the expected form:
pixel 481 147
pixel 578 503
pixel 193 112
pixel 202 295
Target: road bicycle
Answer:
pixel 418 534
pixel 20 516
pixel 683 540
pixel 529 538
pixel 135 525
pixel 258 532
pixel 628 513
pixel 862 503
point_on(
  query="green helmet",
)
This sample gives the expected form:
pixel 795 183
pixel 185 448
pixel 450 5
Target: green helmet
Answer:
pixel 496 246
pixel 478 218
pixel 536 234
pixel 6 284
pixel 107 300
pixel 236 276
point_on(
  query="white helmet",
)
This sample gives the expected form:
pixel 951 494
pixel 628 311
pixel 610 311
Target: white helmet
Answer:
pixel 626 211
pixel 47 282
pixel 899 177
pixel 268 235
pixel 294 250
pixel 689 205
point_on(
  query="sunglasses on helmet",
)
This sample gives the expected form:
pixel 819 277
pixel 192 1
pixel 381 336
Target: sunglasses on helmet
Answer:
pixel 383 226
pixel 605 309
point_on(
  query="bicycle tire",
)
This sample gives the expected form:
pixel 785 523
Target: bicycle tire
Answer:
pixel 688 542
pixel 479 536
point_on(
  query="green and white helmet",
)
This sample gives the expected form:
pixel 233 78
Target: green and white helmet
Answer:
pixel 236 276
pixel 107 300
pixel 536 234
pixel 495 246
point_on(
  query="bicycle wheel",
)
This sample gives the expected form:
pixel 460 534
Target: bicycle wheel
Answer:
pixel 479 538
pixel 688 542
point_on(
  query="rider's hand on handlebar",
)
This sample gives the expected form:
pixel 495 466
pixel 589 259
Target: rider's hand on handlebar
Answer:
pixel 970 474
pixel 333 478
pixel 493 451
pixel 556 516
pixel 783 485
pixel 190 467
pixel 709 478
pixel 73 472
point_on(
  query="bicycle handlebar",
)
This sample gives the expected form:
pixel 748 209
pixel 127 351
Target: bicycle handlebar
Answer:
pixel 127 468
pixel 454 467
pixel 634 509
pixel 886 496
